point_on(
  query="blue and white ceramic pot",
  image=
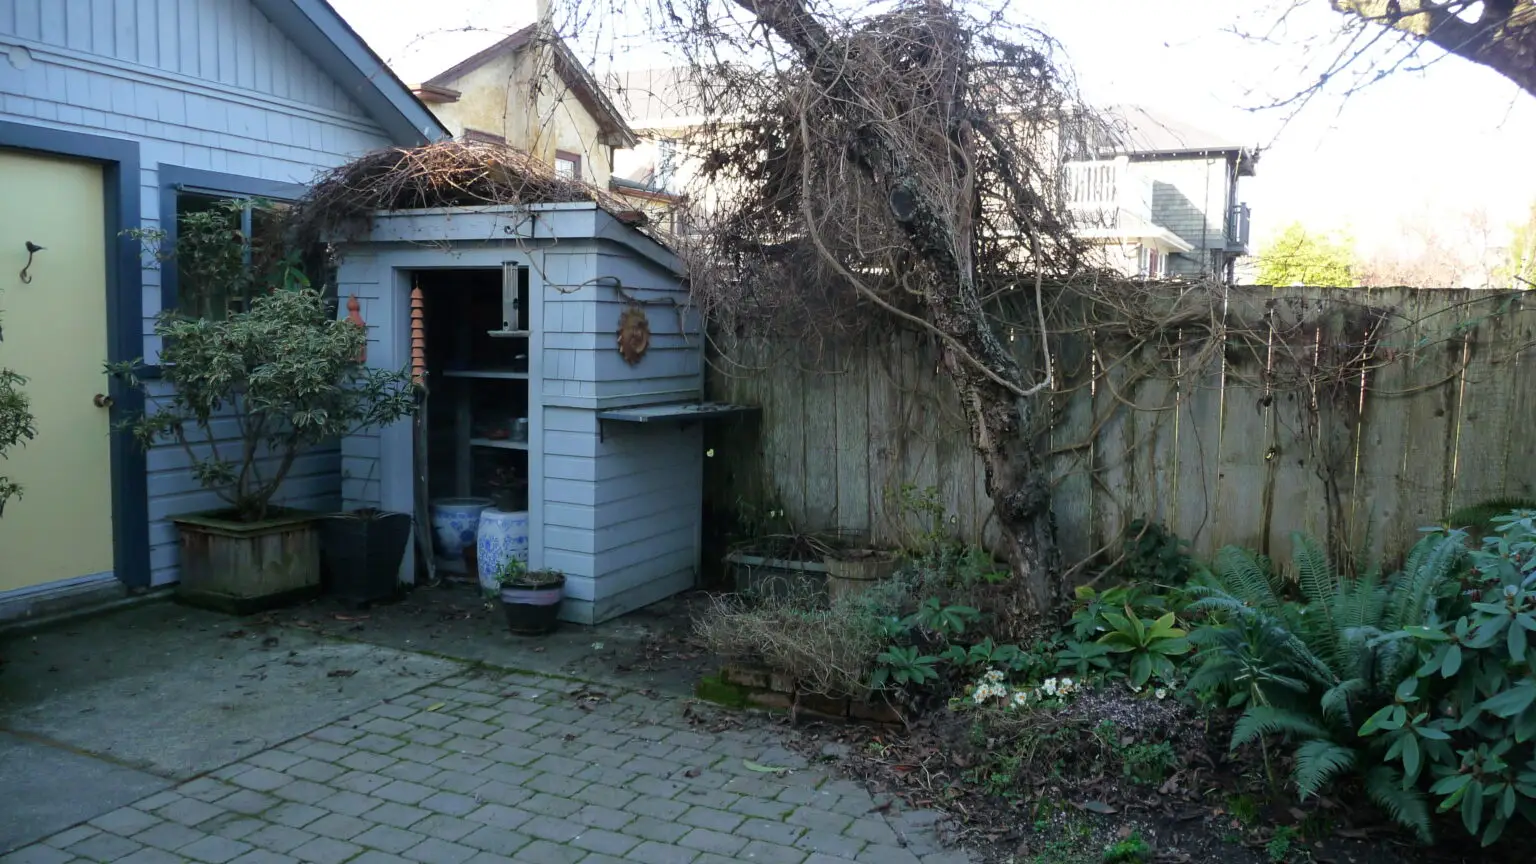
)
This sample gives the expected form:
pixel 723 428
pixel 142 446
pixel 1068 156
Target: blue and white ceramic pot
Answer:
pixel 454 522
pixel 503 536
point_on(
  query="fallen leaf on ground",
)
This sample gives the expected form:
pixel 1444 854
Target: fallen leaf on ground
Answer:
pixel 341 673
pixel 1095 807
pixel 765 769
pixel 437 706
pixel 692 772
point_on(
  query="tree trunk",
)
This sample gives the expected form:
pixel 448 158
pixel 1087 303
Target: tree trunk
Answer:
pixel 1503 38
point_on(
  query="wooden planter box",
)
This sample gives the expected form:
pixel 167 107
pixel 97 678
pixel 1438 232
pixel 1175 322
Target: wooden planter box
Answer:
pixel 244 567
pixel 779 578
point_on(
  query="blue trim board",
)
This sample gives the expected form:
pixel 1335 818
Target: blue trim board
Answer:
pixel 119 159
pixel 174 178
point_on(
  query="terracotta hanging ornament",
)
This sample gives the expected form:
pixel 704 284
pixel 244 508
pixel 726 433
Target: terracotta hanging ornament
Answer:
pixel 634 334
pixel 355 315
pixel 418 336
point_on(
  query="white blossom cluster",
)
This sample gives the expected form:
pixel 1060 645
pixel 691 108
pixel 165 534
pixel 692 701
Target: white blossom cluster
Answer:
pixel 991 688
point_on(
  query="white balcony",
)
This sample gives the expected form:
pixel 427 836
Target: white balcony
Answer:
pixel 1103 193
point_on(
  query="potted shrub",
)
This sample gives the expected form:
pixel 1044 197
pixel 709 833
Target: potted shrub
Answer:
pixel 530 598
pixel 284 376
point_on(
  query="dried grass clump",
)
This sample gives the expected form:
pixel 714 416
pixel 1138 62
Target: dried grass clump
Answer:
pixel 444 174
pixel 829 648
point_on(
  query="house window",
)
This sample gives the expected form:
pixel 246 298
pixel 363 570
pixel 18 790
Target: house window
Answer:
pixel 666 164
pixel 220 278
pixel 567 165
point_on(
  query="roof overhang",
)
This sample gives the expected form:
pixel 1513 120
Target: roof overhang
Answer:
pixel 336 48
pixel 1246 158
pixel 1141 235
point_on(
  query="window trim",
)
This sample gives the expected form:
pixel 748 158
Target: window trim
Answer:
pixel 573 158
pixel 175 179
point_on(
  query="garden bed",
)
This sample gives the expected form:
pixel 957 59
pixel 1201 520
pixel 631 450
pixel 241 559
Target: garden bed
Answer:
pixel 741 686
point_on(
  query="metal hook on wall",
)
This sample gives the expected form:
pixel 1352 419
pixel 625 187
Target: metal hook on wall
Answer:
pixel 32 249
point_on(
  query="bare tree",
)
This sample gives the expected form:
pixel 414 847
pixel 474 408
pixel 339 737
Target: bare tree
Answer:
pixel 894 166
pixel 1499 34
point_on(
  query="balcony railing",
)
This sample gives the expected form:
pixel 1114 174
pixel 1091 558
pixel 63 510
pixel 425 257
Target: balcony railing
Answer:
pixel 1099 192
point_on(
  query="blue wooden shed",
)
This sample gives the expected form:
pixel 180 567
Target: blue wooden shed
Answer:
pixel 523 310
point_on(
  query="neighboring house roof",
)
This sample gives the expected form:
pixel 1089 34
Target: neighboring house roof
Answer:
pixel 1138 131
pixel 570 70
pixel 335 47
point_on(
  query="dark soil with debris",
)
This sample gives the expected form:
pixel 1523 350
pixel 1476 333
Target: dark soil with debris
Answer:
pixel 1211 806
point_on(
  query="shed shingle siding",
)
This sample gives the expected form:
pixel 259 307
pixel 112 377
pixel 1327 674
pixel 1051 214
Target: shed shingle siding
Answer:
pixel 203 84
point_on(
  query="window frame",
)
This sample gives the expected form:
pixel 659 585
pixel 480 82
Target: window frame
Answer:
pixel 176 180
pixel 573 158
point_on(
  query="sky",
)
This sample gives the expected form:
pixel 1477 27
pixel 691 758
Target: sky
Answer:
pixel 1430 145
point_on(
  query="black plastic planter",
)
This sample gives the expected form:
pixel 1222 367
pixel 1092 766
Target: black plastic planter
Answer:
pixel 362 552
pixel 533 606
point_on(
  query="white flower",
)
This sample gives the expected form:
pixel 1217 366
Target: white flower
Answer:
pixel 1066 684
pixel 1160 693
pixel 1049 686
pixel 1020 698
pixel 994 675
pixel 997 690
pixel 979 696
pixel 1134 688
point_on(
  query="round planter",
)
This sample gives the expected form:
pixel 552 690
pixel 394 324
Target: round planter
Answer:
pixel 454 521
pixel 502 537
pixel 533 609
pixel 853 573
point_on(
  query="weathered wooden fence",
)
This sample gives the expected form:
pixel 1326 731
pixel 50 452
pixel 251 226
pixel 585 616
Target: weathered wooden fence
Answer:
pixel 1357 416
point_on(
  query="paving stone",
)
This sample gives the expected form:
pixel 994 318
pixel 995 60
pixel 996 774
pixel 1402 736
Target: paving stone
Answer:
pixel 488 838
pixel 465 744
pixel 398 815
pixel 471 728
pixel 151 856
pixel 403 792
pixel 469 763
pixel 386 726
pixel 710 797
pixel 808 817
pixel 777 811
pixel 377 743
pixel 445 827
pixel 873 854
pixel 158 800
pixel 373 856
pixel 169 836
pixel 304 791
pixel 708 817
pixel 261 779
pixel 69 837
pixel 661 808
pixel 336 734
pixel 450 803
pixel 772 853
pixel 552 829
pixel 551 805
pixel 37 854
pixel 214 850
pixel 455 781
pixel 605 842
pixel 819 858
pixel 947 858
pixel 651 852
pixel 828 843
pixel 278 838
pixel 359 760
pixel 617 778
pixel 562 765
pixel 360 781
pixel 388 839
pixel 249 802
pixel 339 826
pixel 770 831
pixel 872 831
pixel 104 847
pixel 314 769
pixel 555 784
pixel 706 840
pixel 234 826
pixel 350 803
pixel 324 751
pixel 125 821
pixel 659 830
pixel 325 850
pixel 392 711
pixel 296 815
pixel 414 772
pixel 545 852
pixel 262 856
pixel 189 811
pixel 602 817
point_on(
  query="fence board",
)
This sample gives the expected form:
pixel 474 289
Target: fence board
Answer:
pixel 1232 455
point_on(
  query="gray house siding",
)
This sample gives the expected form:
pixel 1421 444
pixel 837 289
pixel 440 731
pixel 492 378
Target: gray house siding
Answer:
pixel 203 84
pixel 1190 198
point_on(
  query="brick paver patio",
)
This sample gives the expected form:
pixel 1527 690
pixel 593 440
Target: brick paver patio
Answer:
pixel 509 768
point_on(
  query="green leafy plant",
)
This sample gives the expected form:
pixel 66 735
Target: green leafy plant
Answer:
pixel 1149 762
pixel 1083 658
pixel 1131 848
pixel 286 372
pixel 1149 644
pixel 1466 717
pixel 1150 553
pixel 904 665
pixel 1312 671
pixel 16 425
pixel 1278 848
pixel 947 621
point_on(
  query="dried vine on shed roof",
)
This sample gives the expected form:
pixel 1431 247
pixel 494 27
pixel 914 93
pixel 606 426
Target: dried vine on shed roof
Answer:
pixel 444 174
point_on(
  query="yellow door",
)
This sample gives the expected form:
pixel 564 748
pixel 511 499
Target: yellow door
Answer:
pixel 55 333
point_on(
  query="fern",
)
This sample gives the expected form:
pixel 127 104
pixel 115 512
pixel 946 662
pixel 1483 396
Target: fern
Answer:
pixel 1268 720
pixel 1384 786
pixel 1319 761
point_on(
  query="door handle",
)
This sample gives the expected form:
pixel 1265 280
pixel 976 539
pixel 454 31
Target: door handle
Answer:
pixel 102 400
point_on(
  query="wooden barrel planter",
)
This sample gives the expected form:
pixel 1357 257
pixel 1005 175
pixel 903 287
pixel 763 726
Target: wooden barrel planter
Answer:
pixel 853 572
